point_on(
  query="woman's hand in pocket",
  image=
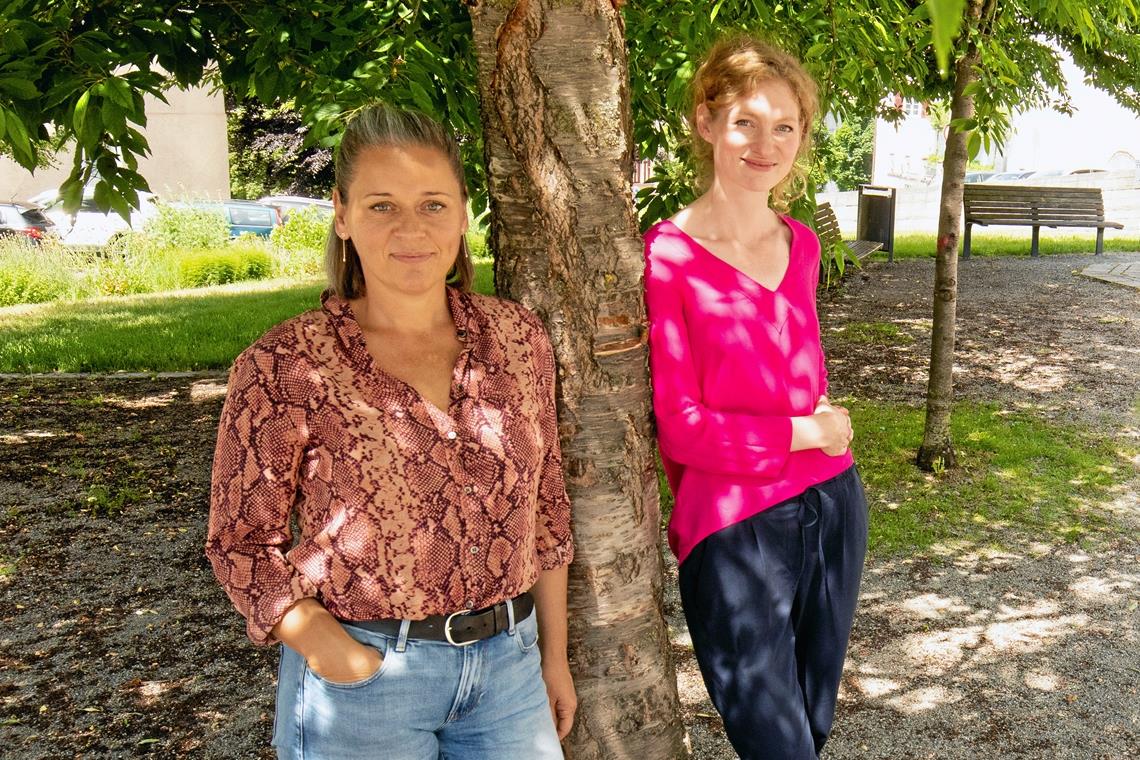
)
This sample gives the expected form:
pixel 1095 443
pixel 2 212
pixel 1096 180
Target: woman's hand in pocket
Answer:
pixel 351 663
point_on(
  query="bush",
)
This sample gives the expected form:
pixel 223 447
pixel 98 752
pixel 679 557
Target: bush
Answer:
pixel 187 227
pixel 127 271
pixel 35 273
pixel 299 244
pixel 217 266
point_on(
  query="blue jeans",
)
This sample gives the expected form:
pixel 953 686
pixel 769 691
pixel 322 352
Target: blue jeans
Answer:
pixel 429 701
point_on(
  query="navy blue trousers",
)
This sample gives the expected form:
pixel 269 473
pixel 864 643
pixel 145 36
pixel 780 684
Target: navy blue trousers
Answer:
pixel 769 603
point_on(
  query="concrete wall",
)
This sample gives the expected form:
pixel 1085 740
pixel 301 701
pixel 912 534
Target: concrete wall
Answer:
pixel 189 151
pixel 916 208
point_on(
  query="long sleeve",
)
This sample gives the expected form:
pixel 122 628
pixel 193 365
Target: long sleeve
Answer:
pixel 689 431
pixel 253 487
pixel 553 541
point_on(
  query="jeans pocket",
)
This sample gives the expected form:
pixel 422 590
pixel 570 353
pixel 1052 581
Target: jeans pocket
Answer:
pixel 379 643
pixel 526 632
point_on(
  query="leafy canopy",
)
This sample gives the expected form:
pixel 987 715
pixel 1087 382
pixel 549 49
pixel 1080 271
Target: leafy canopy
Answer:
pixel 77 69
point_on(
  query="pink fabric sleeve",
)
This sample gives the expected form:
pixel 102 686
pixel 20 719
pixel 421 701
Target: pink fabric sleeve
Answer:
pixel 688 431
pixel 253 485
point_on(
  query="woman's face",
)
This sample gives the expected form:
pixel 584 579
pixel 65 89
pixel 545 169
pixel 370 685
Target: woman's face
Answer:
pixel 406 214
pixel 754 138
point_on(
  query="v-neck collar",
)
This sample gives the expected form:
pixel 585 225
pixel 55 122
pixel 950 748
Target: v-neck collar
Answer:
pixel 468 323
pixel 748 281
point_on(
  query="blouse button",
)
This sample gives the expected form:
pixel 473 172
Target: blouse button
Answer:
pixel 469 604
pixel 452 435
pixel 467 489
pixel 474 549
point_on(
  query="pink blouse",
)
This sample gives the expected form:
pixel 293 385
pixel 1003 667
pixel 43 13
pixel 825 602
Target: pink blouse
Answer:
pixel 732 362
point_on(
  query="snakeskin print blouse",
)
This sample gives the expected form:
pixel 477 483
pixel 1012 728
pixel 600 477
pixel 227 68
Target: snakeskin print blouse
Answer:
pixel 404 510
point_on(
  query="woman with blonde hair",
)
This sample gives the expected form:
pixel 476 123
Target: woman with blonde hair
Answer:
pixel 407 428
pixel 770 520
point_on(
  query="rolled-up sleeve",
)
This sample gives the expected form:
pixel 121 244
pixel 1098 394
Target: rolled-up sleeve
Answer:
pixel 253 487
pixel 554 542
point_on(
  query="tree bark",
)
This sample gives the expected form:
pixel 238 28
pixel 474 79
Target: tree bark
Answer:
pixel 937 450
pixel 554 94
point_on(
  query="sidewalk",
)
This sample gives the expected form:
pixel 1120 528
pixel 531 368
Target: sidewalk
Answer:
pixel 1125 273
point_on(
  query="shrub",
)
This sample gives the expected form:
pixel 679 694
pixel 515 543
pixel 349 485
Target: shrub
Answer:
pixel 34 273
pixel 187 227
pixel 306 228
pixel 477 243
pixel 217 266
pixel 299 244
pixel 127 271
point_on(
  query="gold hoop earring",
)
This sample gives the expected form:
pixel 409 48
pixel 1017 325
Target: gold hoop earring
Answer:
pixel 343 252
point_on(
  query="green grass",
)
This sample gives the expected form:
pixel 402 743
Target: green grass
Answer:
pixel 198 329
pixel 484 275
pixel 874 333
pixel 917 245
pixel 1019 479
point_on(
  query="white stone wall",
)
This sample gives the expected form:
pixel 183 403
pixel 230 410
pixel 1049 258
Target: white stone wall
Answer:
pixel 189 151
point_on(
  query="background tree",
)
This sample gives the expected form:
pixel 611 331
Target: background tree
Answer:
pixel 270 153
pixel 845 155
pixel 1004 55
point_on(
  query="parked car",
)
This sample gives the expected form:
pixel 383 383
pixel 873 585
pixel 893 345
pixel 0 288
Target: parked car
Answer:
pixel 24 220
pixel 89 225
pixel 1009 176
pixel 286 204
pixel 245 216
pixel 978 176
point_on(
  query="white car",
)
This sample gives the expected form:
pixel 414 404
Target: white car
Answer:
pixel 286 204
pixel 89 225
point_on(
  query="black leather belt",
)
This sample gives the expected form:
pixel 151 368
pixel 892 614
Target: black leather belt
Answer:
pixel 459 628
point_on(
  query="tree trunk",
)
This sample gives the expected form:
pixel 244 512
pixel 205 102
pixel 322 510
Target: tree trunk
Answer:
pixel 937 451
pixel 554 93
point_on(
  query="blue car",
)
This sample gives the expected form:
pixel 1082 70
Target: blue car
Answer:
pixel 246 217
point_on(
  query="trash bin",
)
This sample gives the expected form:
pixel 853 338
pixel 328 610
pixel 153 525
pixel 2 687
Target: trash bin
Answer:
pixel 877 217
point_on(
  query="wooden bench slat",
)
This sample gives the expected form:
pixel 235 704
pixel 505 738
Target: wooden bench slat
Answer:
pixel 827 228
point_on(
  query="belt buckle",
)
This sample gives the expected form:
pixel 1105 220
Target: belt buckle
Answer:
pixel 447 631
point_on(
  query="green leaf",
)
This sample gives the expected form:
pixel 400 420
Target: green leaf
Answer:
pixel 102 195
pixel 120 92
pixel 71 191
pixel 21 89
pixel 79 118
pixel 21 145
pixel 973 145
pixel 420 96
pixel 946 19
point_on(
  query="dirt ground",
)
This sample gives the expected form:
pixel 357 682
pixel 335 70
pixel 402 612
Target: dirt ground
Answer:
pixel 115 640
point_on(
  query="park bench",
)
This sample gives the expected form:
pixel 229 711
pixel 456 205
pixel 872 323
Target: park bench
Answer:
pixel 827 227
pixel 1034 207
